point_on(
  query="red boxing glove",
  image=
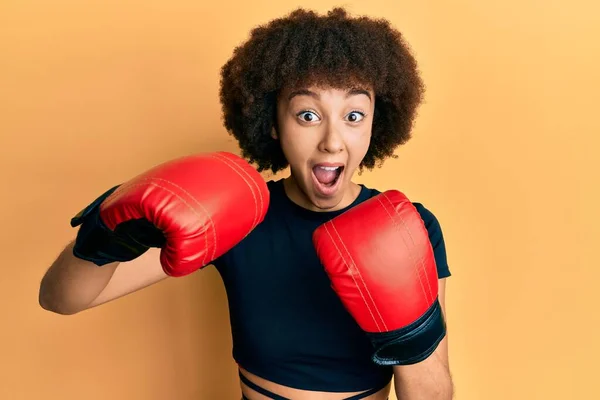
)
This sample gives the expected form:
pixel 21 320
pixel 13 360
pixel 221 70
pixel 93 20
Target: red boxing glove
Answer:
pixel 381 264
pixel 195 208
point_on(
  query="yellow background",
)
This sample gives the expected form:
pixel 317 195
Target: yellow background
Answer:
pixel 93 92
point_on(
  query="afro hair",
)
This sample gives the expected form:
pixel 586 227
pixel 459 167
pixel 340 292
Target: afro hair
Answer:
pixel 334 50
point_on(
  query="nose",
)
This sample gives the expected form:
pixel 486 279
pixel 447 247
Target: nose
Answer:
pixel 332 140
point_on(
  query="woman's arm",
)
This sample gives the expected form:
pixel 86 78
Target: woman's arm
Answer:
pixel 430 379
pixel 72 285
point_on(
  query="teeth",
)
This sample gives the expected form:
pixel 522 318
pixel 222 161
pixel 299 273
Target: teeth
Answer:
pixel 329 168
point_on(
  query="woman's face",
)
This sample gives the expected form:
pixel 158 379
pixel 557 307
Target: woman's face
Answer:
pixel 325 134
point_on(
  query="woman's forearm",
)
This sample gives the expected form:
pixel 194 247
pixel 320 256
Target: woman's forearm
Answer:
pixel 428 380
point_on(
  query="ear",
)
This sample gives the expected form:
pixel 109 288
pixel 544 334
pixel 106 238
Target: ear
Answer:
pixel 274 133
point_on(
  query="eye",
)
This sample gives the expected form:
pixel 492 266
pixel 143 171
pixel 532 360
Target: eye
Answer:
pixel 355 116
pixel 308 116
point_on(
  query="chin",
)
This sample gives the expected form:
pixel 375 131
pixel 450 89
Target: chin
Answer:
pixel 326 204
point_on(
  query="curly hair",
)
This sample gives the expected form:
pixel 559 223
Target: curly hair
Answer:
pixel 335 50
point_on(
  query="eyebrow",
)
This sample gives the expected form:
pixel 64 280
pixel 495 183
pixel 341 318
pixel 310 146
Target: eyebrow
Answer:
pixel 306 92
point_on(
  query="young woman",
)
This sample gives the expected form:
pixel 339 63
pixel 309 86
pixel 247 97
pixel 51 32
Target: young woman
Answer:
pixel 325 96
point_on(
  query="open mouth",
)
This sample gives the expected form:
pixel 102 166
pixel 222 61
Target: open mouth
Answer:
pixel 327 177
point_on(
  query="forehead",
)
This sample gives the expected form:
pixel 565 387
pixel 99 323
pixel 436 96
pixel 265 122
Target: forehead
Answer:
pixel 325 93
pixel 320 82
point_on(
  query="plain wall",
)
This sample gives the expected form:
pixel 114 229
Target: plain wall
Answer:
pixel 504 153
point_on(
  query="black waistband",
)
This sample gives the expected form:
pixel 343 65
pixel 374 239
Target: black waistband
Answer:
pixel 274 396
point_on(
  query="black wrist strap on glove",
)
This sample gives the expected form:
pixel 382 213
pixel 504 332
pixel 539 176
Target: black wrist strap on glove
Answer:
pixel 98 244
pixel 413 343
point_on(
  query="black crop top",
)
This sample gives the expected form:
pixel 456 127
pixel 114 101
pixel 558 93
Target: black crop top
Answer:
pixel 288 325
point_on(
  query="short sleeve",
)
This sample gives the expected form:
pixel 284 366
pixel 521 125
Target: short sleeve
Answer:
pixel 437 240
